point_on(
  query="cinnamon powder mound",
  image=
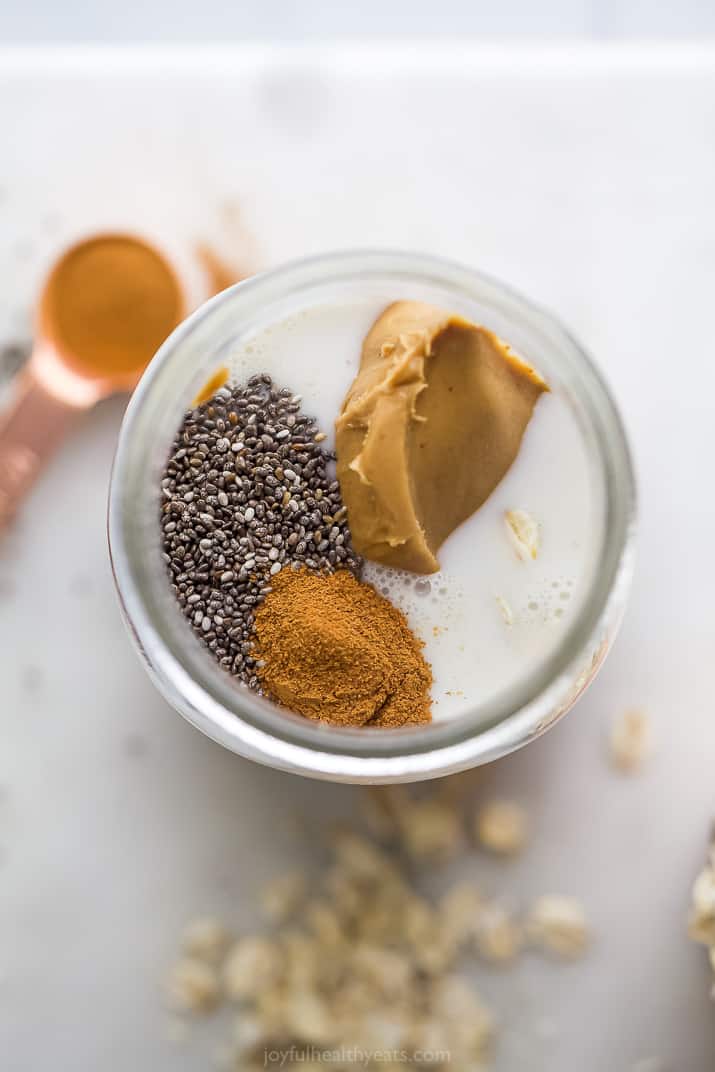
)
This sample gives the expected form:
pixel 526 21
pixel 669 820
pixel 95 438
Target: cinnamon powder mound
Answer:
pixel 332 649
pixel 109 304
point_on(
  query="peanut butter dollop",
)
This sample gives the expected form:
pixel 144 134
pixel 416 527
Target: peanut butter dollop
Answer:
pixel 430 425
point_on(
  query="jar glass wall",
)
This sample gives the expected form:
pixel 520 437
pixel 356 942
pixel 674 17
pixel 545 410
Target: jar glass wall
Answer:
pixel 252 726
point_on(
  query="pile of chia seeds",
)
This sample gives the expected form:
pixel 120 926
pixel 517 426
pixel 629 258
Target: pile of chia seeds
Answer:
pixel 246 491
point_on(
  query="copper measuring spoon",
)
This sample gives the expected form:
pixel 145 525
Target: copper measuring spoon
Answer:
pixel 85 349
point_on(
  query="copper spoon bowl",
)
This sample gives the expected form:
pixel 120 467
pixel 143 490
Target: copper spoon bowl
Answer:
pixel 67 373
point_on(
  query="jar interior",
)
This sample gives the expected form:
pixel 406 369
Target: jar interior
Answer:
pixel 497 629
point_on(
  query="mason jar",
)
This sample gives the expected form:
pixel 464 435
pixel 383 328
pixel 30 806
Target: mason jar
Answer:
pixel 250 725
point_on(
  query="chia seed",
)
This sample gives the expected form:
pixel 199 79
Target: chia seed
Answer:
pixel 229 523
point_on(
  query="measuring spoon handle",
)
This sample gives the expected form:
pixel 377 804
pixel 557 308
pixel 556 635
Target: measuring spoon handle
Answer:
pixel 30 433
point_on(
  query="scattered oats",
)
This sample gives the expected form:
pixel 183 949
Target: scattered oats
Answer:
pixel 365 960
pixel 429 1035
pixel 506 611
pixel 434 958
pixel 499 936
pixel 385 1031
pixel 502 827
pixel 702 919
pixel 361 857
pixel 193 986
pixel 523 532
pixel 558 925
pixel 323 921
pixel 306 1015
pixel 460 909
pixel 382 807
pixel 704 894
pixel 630 740
pixel 206 939
pixel 346 895
pixel 460 1008
pixel 283 895
pixel 304 964
pixel 431 830
pixel 432 947
pixel 253 965
pixel 386 971
pixel 701 926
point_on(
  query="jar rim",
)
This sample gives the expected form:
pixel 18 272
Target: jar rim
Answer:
pixel 249 725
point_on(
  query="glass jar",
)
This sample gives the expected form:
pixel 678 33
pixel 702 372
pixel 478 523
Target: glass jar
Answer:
pixel 248 724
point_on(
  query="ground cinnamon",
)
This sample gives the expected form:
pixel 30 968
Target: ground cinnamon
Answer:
pixel 109 304
pixel 220 274
pixel 331 648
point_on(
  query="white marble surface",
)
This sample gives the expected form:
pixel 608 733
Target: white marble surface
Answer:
pixel 586 181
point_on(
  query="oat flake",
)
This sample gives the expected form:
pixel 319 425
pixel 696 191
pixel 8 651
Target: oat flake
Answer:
pixel 523 532
pixel 558 925
pixel 630 740
pixel 502 827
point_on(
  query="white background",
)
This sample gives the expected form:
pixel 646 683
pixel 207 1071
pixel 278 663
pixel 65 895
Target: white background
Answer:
pixel 585 179
pixel 221 20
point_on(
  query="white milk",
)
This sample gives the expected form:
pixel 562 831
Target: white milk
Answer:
pixel 487 617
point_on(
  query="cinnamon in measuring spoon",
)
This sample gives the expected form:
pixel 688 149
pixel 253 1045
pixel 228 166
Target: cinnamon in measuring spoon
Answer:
pixel 108 306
